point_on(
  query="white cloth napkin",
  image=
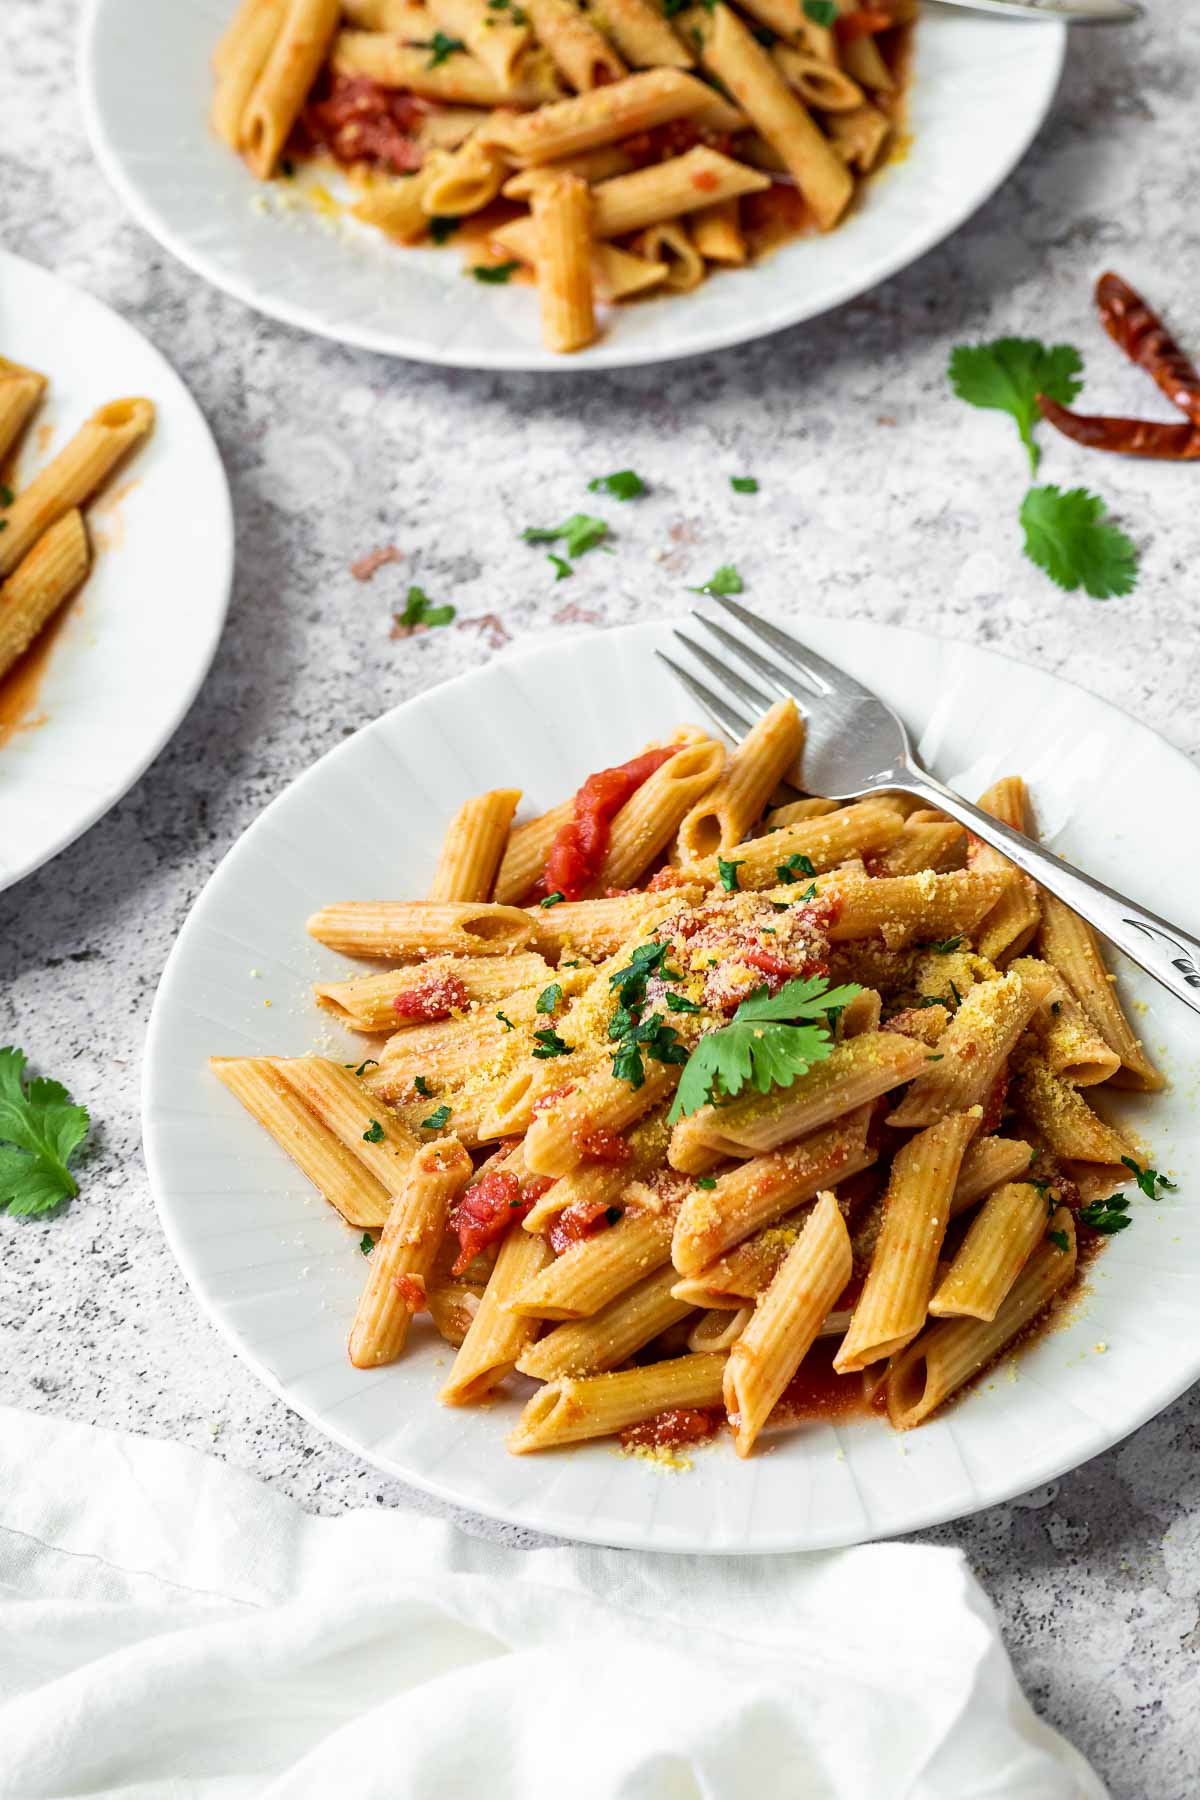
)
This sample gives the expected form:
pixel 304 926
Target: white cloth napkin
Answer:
pixel 170 1628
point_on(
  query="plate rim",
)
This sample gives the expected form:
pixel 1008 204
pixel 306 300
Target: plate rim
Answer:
pixel 1054 1464
pixel 533 360
pixel 224 535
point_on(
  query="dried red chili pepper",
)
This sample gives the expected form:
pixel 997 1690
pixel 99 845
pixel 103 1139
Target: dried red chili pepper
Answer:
pixel 1125 437
pixel 1144 338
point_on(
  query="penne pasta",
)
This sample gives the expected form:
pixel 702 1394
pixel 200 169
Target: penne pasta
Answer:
pixel 643 36
pixel 403 1257
pixel 21 392
pixel 1010 926
pixel 556 1142
pixel 819 83
pixel 859 137
pixel 649 820
pixel 724 816
pixel 1066 1123
pixel 717 234
pixel 240 59
pixel 609 114
pixel 299 47
pixel 612 1335
pixel 671 247
pixel 497 1337
pixel 904 908
pixel 825 841
pixel 1068 1040
pixel 73 477
pixel 463 182
pixel 42 582
pixel 1004 1234
pixel 578 50
pixel 571 1409
pixel 474 844
pixel 403 996
pixel 459 80
pixel 562 218
pixel 974 1049
pixel 415 929
pixel 593 1272
pixel 1070 944
pixel 339 1100
pixel 396 205
pixel 497 36
pixel 988 1163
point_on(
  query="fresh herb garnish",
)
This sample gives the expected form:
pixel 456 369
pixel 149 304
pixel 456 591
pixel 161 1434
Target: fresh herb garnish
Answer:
pixel 420 610
pixel 706 1181
pixel 554 899
pixel 580 533
pixel 494 274
pixel 946 946
pixel 562 567
pixel 422 1087
pixel 957 996
pixel 440 47
pixel 374 1133
pixel 40 1130
pixel 728 871
pixel 725 581
pixel 518 14
pixel 743 484
pixel 624 485
pixel 550 998
pixel 366 1243
pixel 1149 1179
pixel 821 12
pixel 548 1043
pixel 287 167
pixel 1008 374
pixel 441 227
pixel 613 1213
pixel 371 1062
pixel 678 1004
pixel 1060 1240
pixel 506 1021
pixel 810 893
pixel 1070 537
pixel 1107 1215
pixel 765 1044
pixel 436 1119
pixel 793 867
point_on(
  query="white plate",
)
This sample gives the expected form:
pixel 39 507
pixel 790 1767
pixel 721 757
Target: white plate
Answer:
pixel 279 1272
pixel 982 88
pixel 136 642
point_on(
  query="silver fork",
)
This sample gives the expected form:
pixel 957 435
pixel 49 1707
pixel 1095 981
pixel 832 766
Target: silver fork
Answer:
pixel 855 745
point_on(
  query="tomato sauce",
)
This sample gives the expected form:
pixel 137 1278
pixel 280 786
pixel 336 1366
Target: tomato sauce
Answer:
pixel 487 1209
pixel 19 689
pixel 816 1392
pixel 358 120
pixel 672 1429
pixel 578 851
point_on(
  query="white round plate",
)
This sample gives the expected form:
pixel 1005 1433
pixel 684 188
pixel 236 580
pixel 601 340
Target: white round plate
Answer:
pixel 136 642
pixel 279 1272
pixel 982 87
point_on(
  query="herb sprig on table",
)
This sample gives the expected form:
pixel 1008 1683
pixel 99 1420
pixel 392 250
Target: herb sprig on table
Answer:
pixel 41 1129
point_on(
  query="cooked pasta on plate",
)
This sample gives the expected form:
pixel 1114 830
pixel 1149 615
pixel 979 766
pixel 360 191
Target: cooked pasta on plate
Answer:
pixel 693 1097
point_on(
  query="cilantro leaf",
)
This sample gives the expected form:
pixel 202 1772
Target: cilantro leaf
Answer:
pixel 366 1243
pixel 440 47
pixel 821 12
pixel 1008 374
pixel 1107 1216
pixel 554 899
pixel 743 484
pixel 549 1044
pixel 420 610
pixel 371 1062
pixel 1060 1240
pixel 728 871
pixel 705 1181
pixel 494 274
pixel 793 867
pixel 562 567
pixel 423 1088
pixel 506 1021
pixel 581 532
pixel 442 226
pixel 762 1045
pixel 40 1130
pixel 1148 1179
pixel 1069 536
pixel 437 1119
pixel 374 1133
pixel 550 998
pixel 624 485
pixel 725 581
pixel 678 1004
pixel 946 945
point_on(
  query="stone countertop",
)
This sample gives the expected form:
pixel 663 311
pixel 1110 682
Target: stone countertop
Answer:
pixel 881 497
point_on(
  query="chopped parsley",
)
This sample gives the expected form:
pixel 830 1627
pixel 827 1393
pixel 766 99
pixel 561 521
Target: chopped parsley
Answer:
pixel 506 1021
pixel 554 899
pixel 810 893
pixel 517 14
pixel 821 12
pixel 441 227
pixel 440 47
pixel 580 533
pixel 678 1004
pixel 793 867
pixel 1008 374
pixel 40 1130
pixel 562 567
pixel 437 1119
pixel 423 1088
pixel 1149 1179
pixel 372 1062
pixel 548 1043
pixel 744 484
pixel 1060 1240
pixel 495 274
pixel 765 1044
pixel 613 1214
pixel 725 581
pixel 366 1243
pixel 1070 536
pixel 550 998
pixel 6 494
pixel 957 996
pixel 946 946
pixel 706 1181
pixel 420 610
pixel 728 871
pixel 374 1133
pixel 624 485
pixel 1107 1216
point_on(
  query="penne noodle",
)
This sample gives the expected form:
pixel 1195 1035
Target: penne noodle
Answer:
pixel 562 219
pixel 1010 926
pixel 524 859
pixel 862 60
pixel 649 819
pixel 369 1002
pixel 596 1186
pixel 859 137
pixel 474 844
pixel 415 929
pixel 241 58
pixel 643 36
pixel 579 52
pixel 1067 1039
pixel 866 828
pixel 21 392
pixel 464 182
pixel 717 234
pixel 924 844
pixel 820 84
pixel 339 1100
pixel 452 1306
pixel 396 205
pixel 895 1298
pixel 1065 1121
pixel 903 907
pixel 724 815
pixel 556 1142
pixel 571 1409
pixel 299 47
pixel 988 1163
pixel 358 1195
pixel 786 1321
pixel 592 166
pixel 973 1050
pixel 596 928
pixel 1004 1234
pixel 947 1355
pixel 497 1337
pixel 670 245
pixel 461 79
pixel 404 1256
pixel 73 477
pixel 612 1335
pixel 497 36
pixel 1070 944
pixel 591 1273
pixel 609 114
pixel 717 1329
pixel 796 812
pixel 42 582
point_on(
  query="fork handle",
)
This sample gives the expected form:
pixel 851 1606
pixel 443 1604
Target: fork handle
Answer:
pixel 1165 951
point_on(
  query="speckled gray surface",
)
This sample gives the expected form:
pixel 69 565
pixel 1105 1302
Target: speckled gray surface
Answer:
pixel 881 497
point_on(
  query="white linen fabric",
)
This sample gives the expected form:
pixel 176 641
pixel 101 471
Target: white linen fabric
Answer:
pixel 169 1628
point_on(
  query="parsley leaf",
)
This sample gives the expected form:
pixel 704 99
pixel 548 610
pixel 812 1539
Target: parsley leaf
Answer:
pixel 677 1003
pixel 440 47
pixel 40 1131
pixel 1069 535
pixel 793 867
pixel 6 494
pixel 1060 1240
pixel 506 1021
pixel 374 1133
pixel 494 274
pixel 581 533
pixel 366 1243
pixel 624 485
pixel 549 1044
pixel 728 871
pixel 764 1044
pixel 554 899
pixel 705 1181
pixel 1107 1216
pixel 371 1062
pixel 562 567
pixel 725 581
pixel 1148 1179
pixel 743 484
pixel 613 1214
pixel 627 1064
pixel 550 998
pixel 436 1119
pixel 441 227
pixel 1009 374
pixel 422 1087
pixel 946 946
pixel 821 12
pixel 420 610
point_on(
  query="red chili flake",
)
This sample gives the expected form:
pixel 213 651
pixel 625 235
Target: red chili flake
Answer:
pixel 668 1430
pixel 433 998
